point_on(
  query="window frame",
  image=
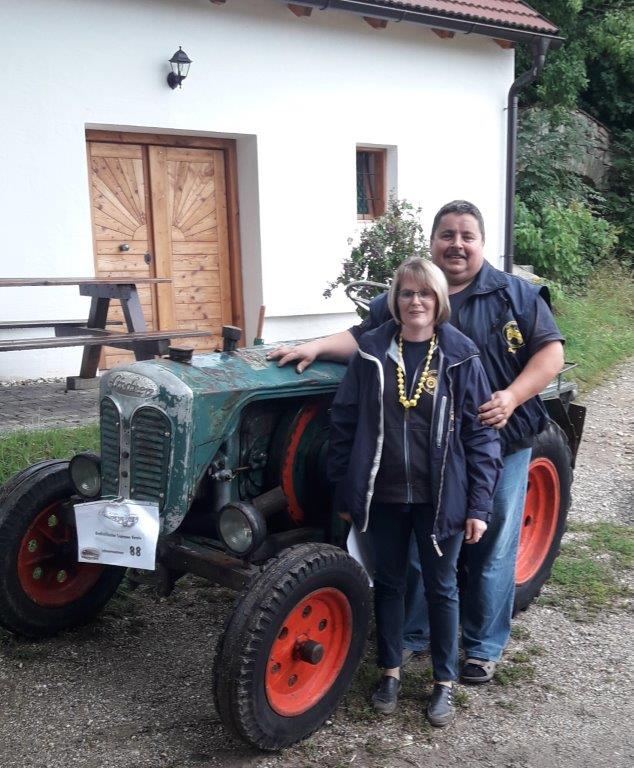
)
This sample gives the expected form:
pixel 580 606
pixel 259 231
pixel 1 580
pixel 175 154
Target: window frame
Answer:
pixel 377 197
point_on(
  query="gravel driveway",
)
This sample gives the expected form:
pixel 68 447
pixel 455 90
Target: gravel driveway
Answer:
pixel 134 689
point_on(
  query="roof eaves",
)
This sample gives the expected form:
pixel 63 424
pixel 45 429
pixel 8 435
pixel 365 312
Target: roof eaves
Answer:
pixel 398 12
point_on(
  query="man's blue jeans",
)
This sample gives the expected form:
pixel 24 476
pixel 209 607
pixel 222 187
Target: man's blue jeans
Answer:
pixel 487 599
pixel 487 602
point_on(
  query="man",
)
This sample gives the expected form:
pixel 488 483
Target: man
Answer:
pixel 521 350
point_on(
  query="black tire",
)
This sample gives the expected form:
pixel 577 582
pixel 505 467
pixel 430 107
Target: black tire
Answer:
pixel 38 613
pixel 242 670
pixel 551 467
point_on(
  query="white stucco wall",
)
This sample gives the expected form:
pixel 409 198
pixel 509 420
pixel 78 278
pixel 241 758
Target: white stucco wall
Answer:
pixel 298 94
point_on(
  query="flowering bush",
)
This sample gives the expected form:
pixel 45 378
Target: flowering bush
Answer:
pixel 383 245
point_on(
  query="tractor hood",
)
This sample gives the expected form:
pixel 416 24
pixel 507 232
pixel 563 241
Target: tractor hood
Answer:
pixel 193 408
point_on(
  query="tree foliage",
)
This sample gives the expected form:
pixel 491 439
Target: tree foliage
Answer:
pixel 546 152
pixel 592 71
pixel 565 241
pixel 594 68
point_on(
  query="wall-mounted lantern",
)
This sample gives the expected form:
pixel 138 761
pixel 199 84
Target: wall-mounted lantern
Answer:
pixel 179 63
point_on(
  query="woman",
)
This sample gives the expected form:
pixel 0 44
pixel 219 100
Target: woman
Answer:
pixel 408 452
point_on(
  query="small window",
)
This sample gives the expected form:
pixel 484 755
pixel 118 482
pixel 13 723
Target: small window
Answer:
pixel 370 183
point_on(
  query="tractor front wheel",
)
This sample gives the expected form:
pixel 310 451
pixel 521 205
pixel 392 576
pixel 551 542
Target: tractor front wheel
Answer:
pixel 545 513
pixel 292 645
pixel 43 588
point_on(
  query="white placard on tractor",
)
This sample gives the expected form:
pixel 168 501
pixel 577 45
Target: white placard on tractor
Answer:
pixel 118 532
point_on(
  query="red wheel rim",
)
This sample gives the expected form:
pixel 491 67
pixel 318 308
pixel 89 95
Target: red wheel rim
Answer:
pixel 540 519
pixel 293 685
pixel 48 570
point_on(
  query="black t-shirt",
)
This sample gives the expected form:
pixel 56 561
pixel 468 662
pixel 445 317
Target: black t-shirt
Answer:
pixel 456 300
pixel 403 475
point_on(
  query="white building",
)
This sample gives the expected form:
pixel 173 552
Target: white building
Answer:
pixel 241 185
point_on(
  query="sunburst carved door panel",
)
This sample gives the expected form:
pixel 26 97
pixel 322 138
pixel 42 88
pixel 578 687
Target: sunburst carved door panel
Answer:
pixel 194 181
pixel 120 228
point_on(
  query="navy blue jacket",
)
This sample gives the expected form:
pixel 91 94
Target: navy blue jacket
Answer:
pixel 464 456
pixel 499 316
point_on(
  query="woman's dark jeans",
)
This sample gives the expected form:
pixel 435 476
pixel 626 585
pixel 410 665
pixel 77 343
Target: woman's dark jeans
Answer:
pixel 390 529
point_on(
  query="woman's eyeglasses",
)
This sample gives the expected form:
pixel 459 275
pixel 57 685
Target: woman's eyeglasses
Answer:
pixel 407 295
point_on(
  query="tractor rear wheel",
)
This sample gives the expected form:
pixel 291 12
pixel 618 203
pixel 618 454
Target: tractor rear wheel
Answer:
pixel 292 645
pixel 545 513
pixel 43 588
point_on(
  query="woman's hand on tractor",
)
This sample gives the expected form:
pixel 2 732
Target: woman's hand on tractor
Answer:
pixel 474 530
pixel 302 354
pixel 338 347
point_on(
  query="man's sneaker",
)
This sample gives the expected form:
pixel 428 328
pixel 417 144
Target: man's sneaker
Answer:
pixel 477 671
pixel 385 696
pixel 440 710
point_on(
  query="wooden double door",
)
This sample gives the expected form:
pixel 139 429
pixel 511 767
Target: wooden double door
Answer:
pixel 165 211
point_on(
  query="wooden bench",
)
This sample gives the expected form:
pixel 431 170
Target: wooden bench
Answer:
pixel 92 334
pixel 122 340
pixel 41 323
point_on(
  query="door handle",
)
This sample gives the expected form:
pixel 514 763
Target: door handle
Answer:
pixel 147 258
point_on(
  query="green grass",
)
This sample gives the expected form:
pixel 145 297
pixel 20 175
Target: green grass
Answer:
pixel 598 326
pixel 519 632
pixel 618 540
pixel 585 575
pixel 513 673
pixel 25 447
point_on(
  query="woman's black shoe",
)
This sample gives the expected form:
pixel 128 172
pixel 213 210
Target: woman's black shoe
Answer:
pixel 385 696
pixel 440 710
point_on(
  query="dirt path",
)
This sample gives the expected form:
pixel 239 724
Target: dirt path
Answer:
pixel 134 688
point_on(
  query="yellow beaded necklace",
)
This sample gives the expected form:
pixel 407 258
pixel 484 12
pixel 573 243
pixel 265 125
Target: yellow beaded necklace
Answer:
pixel 423 377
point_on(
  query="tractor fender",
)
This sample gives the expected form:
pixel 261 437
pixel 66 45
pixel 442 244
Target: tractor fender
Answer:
pixel 570 420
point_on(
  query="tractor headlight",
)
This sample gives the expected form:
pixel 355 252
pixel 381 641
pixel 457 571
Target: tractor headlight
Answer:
pixel 85 472
pixel 242 528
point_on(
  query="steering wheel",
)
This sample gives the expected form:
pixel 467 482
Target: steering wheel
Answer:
pixel 363 291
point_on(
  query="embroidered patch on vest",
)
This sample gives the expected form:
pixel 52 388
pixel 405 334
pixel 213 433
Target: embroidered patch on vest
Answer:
pixel 431 382
pixel 513 336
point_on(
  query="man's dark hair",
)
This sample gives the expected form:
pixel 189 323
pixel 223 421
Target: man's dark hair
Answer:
pixel 460 207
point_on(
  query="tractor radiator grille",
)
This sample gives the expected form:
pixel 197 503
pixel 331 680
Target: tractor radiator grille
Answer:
pixel 150 454
pixel 110 446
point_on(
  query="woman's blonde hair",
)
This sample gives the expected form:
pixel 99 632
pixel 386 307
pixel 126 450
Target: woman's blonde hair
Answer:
pixel 425 274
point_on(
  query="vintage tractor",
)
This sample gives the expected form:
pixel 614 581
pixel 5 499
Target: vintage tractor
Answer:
pixel 224 454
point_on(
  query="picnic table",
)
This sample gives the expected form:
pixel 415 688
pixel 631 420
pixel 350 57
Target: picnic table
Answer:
pixel 92 334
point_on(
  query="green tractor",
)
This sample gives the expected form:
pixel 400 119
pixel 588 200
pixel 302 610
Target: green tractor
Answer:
pixel 215 465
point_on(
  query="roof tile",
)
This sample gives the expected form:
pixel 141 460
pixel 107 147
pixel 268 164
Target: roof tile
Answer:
pixel 506 13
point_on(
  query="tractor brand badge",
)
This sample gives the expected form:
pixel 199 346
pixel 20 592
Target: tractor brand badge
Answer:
pixel 513 336
pixel 431 382
pixel 90 553
pixel 118 516
pixel 133 385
